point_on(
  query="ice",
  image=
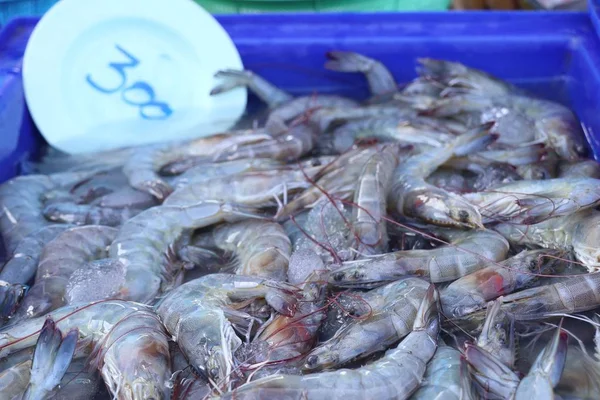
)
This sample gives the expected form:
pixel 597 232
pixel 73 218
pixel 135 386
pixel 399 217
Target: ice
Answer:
pixel 302 263
pixel 95 281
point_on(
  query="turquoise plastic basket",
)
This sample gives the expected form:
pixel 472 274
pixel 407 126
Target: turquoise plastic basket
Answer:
pixel 260 6
pixel 10 9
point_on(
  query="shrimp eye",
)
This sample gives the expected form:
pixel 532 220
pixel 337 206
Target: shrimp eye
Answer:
pixel 312 361
pixel 214 372
pixel 463 216
pixel 357 274
pixel 338 276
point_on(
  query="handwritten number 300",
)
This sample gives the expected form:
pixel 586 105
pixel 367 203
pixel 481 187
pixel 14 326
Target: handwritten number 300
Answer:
pixel 149 104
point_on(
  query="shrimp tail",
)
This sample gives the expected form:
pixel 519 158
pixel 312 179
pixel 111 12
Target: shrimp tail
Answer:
pixel 265 90
pixel 475 140
pixel 490 373
pixel 380 79
pixel 10 297
pixel 427 318
pixel 51 358
pixel 552 359
pixel 282 297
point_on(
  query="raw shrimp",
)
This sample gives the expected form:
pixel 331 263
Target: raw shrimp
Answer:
pixel 126 197
pixel 261 248
pixel 283 106
pixel 21 203
pixel 545 372
pixel 381 81
pixel 414 197
pixel 326 118
pixel 393 309
pixel 257 189
pixel 370 199
pixel 396 128
pixel 207 171
pixel 136 257
pixel 578 233
pixel 337 179
pixel 471 90
pixel 579 169
pixel 471 292
pixel 467 252
pixel 201 316
pixel 294 143
pixel 85 214
pixel 442 378
pixel 395 376
pixel 529 202
pixel 131 350
pixel 62 256
pixel 289 338
pixel 23 263
pixel 569 295
pixel 142 166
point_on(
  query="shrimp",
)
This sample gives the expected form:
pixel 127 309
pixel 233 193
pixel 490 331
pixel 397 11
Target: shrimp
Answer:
pixel 577 233
pixel 23 263
pixel 393 306
pixel 136 257
pixel 261 247
pixel 380 79
pixel 414 197
pixel 142 166
pixel 22 205
pixel 207 171
pixel 131 350
pixel 545 372
pixel 283 106
pixel 442 379
pixel 59 259
pixel 370 197
pixel 296 142
pixel 338 179
pixel 471 292
pixel 289 338
pixel 468 251
pixel 325 118
pixel 579 169
pixel 569 295
pixel 258 189
pixel 397 375
pixel 201 316
pixel 456 74
pixel 529 202
pixel 85 214
pixel 396 128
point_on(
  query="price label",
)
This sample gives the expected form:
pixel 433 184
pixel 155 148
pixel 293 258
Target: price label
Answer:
pixel 139 94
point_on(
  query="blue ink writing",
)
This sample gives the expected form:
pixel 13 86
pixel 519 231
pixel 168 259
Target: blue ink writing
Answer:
pixel 149 107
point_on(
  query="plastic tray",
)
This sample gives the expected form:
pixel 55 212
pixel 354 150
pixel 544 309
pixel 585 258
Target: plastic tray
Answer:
pixel 554 54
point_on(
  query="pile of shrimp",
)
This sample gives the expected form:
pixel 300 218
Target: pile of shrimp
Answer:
pixel 439 240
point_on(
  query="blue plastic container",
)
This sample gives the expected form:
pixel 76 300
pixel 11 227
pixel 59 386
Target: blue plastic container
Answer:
pixel 555 55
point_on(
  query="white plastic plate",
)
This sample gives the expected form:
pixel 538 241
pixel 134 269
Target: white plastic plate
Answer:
pixel 100 75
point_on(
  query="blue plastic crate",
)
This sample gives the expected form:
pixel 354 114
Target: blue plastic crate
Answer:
pixel 554 54
pixel 10 9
